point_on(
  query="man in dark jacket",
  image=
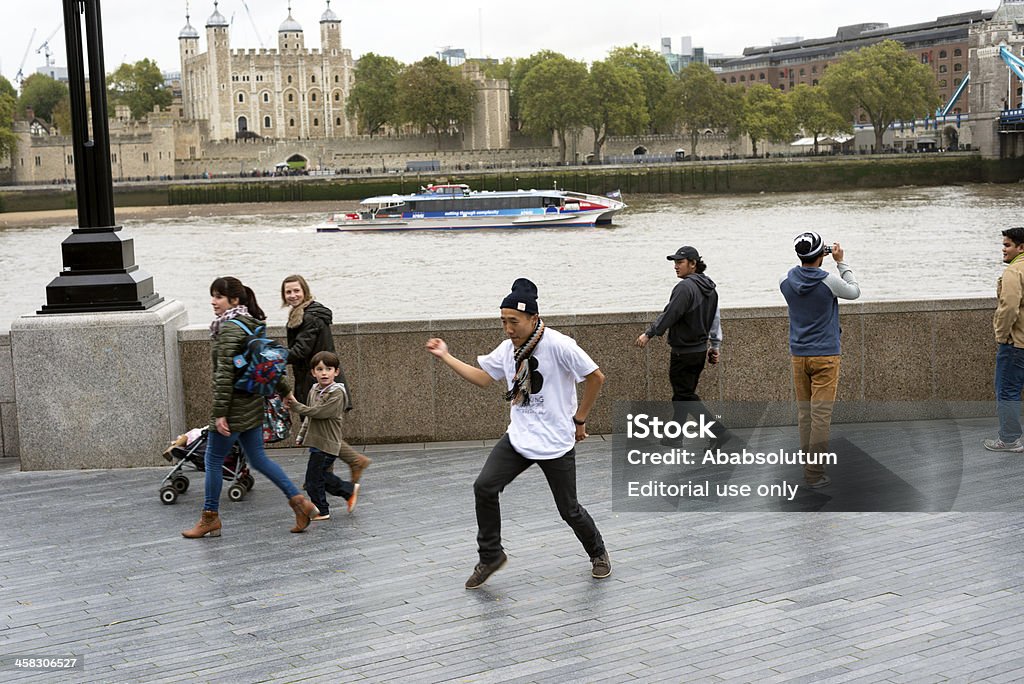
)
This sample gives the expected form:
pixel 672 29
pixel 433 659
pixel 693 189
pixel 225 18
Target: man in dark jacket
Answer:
pixel 812 296
pixel 693 322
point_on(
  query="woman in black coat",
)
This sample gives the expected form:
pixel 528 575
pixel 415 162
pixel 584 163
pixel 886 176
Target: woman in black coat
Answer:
pixel 309 332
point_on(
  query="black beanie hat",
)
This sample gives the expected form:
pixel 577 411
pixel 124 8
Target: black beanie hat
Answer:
pixel 523 297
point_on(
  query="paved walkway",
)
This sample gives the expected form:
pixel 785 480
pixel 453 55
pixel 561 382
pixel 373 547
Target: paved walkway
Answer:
pixel 92 565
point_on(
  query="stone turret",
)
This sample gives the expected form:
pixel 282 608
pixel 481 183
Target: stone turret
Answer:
pixel 188 48
pixel 289 34
pixel 330 31
pixel 218 49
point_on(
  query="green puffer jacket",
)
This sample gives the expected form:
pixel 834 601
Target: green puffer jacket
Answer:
pixel 244 411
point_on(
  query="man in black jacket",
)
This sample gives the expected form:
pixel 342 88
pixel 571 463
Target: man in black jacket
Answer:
pixel 693 322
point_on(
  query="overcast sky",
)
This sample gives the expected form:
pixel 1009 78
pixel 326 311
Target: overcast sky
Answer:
pixel 408 31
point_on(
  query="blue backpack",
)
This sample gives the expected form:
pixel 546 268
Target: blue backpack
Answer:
pixel 262 363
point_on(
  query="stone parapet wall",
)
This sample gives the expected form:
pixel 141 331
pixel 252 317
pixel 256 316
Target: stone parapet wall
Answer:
pixel 937 351
pixel 8 416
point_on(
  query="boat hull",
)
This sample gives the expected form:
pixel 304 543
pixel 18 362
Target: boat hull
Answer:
pixel 549 220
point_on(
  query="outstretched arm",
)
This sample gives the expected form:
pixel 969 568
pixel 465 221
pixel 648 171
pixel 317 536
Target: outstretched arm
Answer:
pixel 477 376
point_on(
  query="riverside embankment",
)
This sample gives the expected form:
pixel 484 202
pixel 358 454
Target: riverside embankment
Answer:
pixel 791 174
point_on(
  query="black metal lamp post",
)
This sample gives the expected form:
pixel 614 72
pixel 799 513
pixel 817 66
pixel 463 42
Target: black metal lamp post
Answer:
pixel 99 264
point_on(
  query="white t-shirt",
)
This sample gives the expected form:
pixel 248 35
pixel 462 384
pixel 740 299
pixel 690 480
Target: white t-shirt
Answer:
pixel 543 429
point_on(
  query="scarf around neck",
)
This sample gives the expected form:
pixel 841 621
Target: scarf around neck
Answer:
pixel 297 312
pixel 233 312
pixel 520 392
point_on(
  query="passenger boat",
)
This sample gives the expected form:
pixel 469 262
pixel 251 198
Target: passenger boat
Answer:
pixel 456 207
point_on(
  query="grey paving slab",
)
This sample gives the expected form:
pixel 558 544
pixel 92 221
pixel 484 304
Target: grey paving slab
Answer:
pixel 93 564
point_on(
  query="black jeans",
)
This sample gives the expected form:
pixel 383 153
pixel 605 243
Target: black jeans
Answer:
pixel 684 373
pixel 320 481
pixel 503 465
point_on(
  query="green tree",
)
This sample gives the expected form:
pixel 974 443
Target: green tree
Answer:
pixel 140 86
pixel 62 115
pixel 41 93
pixel 616 103
pixel 8 105
pixel 7 89
pixel 767 115
pixel 697 101
pixel 432 95
pixel 553 99
pixel 885 82
pixel 655 75
pixel 517 71
pixel 372 99
pixel 816 114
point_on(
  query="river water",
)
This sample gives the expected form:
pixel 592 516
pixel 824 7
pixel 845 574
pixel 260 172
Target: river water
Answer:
pixel 903 243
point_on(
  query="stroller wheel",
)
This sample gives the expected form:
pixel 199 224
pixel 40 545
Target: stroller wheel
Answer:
pixel 236 492
pixel 248 481
pixel 180 484
pixel 168 494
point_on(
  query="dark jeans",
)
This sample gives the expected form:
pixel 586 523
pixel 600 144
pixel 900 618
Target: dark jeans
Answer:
pixel 320 481
pixel 503 465
pixel 1009 383
pixel 684 373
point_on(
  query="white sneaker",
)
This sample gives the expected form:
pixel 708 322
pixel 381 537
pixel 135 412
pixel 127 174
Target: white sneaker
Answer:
pixel 999 445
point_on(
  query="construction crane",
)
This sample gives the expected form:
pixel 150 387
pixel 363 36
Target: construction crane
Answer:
pixel 253 22
pixel 45 47
pixel 21 67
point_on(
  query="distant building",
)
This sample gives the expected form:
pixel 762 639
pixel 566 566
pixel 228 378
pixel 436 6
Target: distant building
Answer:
pixel 941 44
pixel 452 56
pixel 290 92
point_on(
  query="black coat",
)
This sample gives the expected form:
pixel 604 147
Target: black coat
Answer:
pixel 311 336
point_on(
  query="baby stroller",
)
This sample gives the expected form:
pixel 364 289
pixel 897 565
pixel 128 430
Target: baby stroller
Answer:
pixel 189 451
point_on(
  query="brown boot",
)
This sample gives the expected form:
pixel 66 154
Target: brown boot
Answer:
pixel 208 526
pixel 362 463
pixel 304 511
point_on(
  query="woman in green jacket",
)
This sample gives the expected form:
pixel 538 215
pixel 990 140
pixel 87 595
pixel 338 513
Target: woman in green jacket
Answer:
pixel 238 416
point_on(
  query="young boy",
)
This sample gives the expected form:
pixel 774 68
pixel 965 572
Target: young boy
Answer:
pixel 321 432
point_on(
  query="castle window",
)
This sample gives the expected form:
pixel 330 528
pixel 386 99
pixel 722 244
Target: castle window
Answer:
pixel 312 97
pixel 291 97
pixel 145 157
pixel 241 97
pixel 291 122
pixel 316 122
pixel 312 78
pixel 335 78
pixel 289 79
pixel 266 122
pixel 337 96
pixel 266 97
pixel 39 160
pixel 337 121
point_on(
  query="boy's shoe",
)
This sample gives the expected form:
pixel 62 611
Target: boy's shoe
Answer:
pixel 602 566
pixel 483 571
pixel 353 498
pixel 322 516
pixel 999 445
pixel 362 463
pixel 824 481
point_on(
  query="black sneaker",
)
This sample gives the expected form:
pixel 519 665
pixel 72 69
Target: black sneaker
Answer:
pixel 602 566
pixel 483 571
